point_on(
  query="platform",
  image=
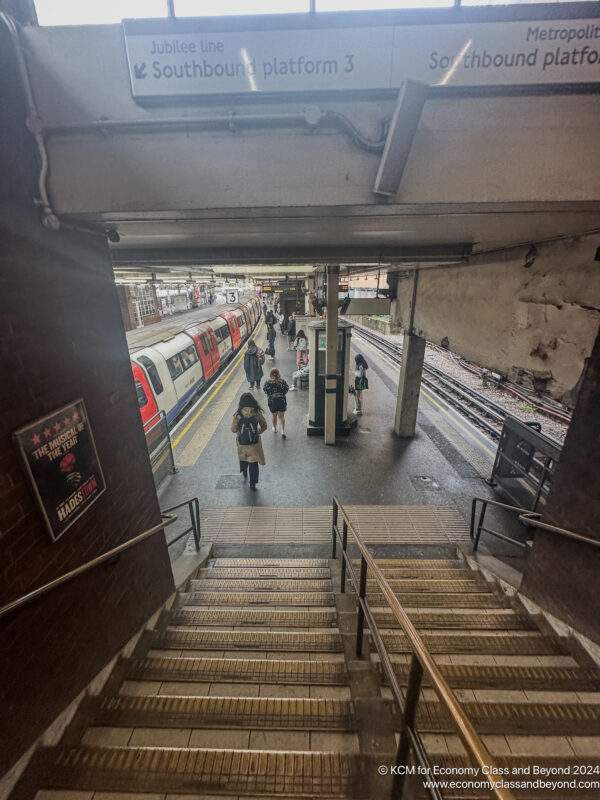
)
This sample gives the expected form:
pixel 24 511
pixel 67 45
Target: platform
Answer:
pixel 436 473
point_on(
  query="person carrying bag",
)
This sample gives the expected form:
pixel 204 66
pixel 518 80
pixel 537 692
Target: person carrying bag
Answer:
pixel 248 424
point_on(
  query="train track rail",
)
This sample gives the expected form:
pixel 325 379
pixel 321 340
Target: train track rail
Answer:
pixel 476 407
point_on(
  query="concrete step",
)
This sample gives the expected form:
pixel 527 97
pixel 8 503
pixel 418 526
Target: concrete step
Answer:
pixel 446 599
pixel 502 620
pixel 240 670
pixel 473 676
pixel 265 573
pixel 459 642
pixel 551 718
pixel 261 585
pixel 288 641
pixel 296 563
pixel 226 712
pixel 179 770
pixel 208 597
pixel 432 586
pixel 250 617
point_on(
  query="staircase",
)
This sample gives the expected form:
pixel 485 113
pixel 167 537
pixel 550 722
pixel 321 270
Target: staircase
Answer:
pixel 249 688
pixel 241 690
pixel 532 695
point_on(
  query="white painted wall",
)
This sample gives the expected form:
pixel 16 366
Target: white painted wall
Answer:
pixel 502 315
pixel 466 150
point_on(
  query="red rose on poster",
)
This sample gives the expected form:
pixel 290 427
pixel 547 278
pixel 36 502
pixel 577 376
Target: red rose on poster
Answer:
pixel 67 463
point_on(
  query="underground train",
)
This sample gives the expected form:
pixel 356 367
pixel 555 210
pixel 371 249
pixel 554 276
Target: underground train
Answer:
pixel 169 373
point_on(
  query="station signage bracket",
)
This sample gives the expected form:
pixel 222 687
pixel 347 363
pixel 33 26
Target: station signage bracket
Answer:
pixel 178 63
pixel 59 456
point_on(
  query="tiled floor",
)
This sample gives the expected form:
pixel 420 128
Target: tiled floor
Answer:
pixel 312 525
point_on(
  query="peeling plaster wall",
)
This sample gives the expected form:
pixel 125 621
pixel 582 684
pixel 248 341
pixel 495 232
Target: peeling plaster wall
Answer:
pixel 505 316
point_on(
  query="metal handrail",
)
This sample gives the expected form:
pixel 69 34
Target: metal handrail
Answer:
pixel 167 519
pixel 193 506
pixel 422 662
pixel 530 519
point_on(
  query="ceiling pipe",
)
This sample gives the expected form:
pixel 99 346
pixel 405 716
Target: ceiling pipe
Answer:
pixel 312 117
pixel 34 125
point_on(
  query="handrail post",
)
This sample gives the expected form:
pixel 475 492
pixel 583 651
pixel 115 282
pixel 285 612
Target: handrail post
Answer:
pixel 174 469
pixel 197 514
pixel 334 528
pixel 362 590
pixel 344 554
pixel 409 717
pixel 484 506
pixel 191 511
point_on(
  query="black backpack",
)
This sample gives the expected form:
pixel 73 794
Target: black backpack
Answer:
pixel 247 431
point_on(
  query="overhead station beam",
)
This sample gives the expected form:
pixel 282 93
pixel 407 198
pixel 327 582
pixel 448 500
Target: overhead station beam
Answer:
pixel 451 253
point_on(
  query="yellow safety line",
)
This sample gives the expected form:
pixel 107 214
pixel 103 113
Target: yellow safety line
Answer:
pixel 434 402
pixel 222 381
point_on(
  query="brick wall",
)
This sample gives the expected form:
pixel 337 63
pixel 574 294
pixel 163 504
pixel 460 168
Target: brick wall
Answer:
pixel 562 575
pixel 62 337
pixel 127 314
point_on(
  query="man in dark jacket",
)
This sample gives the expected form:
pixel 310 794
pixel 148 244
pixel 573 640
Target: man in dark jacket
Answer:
pixel 270 317
pixel 291 331
pixel 253 361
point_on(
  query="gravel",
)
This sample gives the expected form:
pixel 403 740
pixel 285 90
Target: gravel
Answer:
pixel 449 363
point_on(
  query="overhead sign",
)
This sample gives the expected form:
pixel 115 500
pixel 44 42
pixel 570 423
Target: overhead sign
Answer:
pixel 61 461
pixel 378 57
pixel 232 295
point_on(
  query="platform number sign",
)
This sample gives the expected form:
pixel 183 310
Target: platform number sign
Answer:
pixel 232 295
pixel 60 458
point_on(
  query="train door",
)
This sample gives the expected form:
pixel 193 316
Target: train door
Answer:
pixel 145 396
pixel 248 316
pixel 243 325
pixel 234 328
pixel 222 334
pixel 207 348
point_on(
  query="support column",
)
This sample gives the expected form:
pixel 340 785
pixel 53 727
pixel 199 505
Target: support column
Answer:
pixel 331 332
pixel 409 382
pixel 409 385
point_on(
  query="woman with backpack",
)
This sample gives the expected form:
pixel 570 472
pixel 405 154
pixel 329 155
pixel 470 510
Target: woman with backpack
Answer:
pixel 301 345
pixel 271 336
pixel 361 382
pixel 248 424
pixel 276 389
pixel 254 358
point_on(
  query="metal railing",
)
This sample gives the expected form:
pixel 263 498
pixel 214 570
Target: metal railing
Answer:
pixel 530 519
pixel 193 506
pixel 168 518
pixel 422 663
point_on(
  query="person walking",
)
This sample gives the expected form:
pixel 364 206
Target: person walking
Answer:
pixel 282 323
pixel 271 336
pixel 276 389
pixel 301 345
pixel 361 382
pixel 291 331
pixel 248 424
pixel 254 358
pixel 270 317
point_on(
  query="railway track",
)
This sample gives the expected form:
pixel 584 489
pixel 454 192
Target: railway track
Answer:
pixel 483 412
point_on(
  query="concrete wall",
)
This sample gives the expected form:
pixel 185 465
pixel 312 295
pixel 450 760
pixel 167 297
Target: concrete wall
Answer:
pixel 466 150
pixel 505 315
pixel 61 338
pixel 562 575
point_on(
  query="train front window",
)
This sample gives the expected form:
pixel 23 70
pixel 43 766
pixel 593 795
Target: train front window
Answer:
pixel 150 367
pixel 141 394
